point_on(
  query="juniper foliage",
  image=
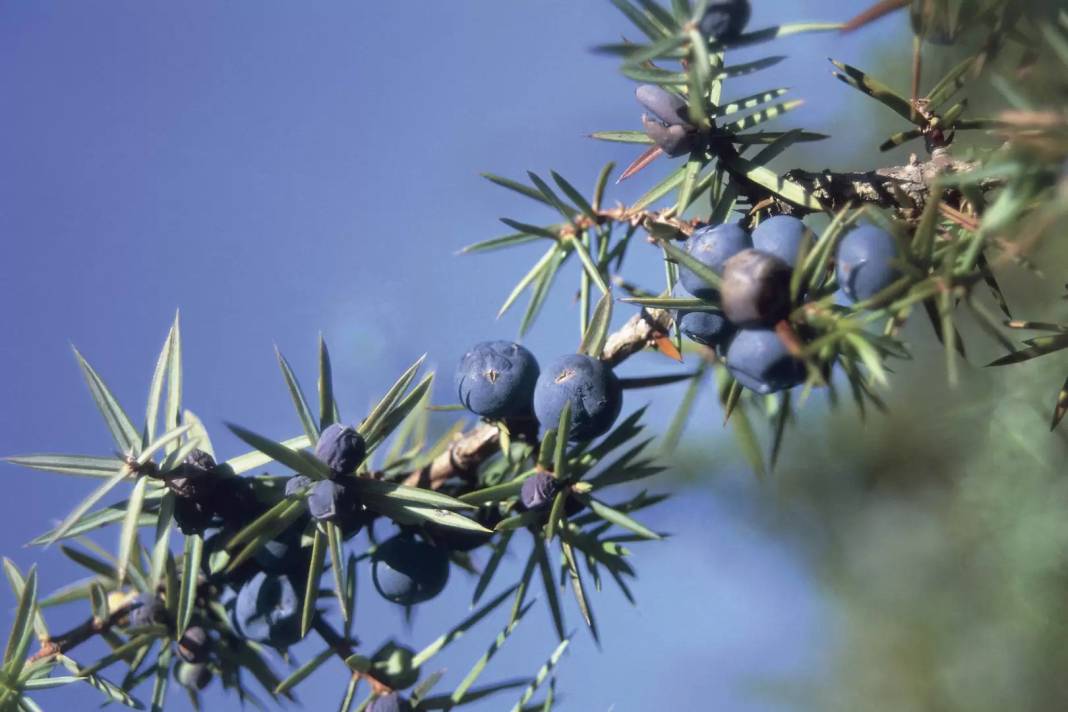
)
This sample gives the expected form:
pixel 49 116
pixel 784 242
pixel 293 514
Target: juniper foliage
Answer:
pixel 195 526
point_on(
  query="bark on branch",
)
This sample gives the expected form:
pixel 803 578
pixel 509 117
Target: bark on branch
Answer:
pixel 884 187
pixel 64 642
pixel 634 336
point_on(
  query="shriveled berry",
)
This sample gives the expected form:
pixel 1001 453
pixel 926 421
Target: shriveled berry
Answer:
pixel 674 141
pixel 495 379
pixel 865 262
pixel 760 361
pixel 538 491
pixel 268 610
pixel 756 288
pixel 725 20
pixel 781 236
pixel 234 499
pixel 195 676
pixel 666 107
pixel 341 448
pixel 667 123
pixel 408 571
pixel 589 385
pixel 297 484
pixel 193 515
pixel 201 459
pixel 195 478
pixel 334 501
pixel 323 500
pixel 194 645
pixel 712 246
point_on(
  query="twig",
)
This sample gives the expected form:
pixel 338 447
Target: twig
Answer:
pixel 74 637
pixel 884 186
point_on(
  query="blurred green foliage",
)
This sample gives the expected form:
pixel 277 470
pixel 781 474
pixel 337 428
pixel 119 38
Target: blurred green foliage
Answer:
pixel 937 532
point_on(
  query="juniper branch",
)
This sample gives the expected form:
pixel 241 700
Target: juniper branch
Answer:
pixel 474 447
pixel 909 186
pixel 64 642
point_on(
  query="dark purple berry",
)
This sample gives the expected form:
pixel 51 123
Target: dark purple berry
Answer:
pixel 297 484
pixel 667 122
pixel 341 448
pixel 674 141
pixel 725 20
pixel 708 328
pixel 201 459
pixel 196 478
pixel 282 555
pixel 334 501
pixel 538 491
pixel 234 500
pixel 323 500
pixel 193 515
pixel 666 107
pixel 755 289
pixel 712 246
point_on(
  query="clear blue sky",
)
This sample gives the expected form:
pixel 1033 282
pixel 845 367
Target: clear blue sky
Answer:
pixel 280 169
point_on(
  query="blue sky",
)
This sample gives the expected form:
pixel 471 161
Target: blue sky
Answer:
pixel 277 170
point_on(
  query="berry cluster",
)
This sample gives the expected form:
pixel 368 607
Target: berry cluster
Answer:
pixel 263 597
pixel 771 304
pixel 193 648
pixel 497 378
pixel 500 379
pixel 253 544
pixel 753 295
pixel 206 495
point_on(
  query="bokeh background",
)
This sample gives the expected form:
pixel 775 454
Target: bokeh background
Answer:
pixel 277 170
